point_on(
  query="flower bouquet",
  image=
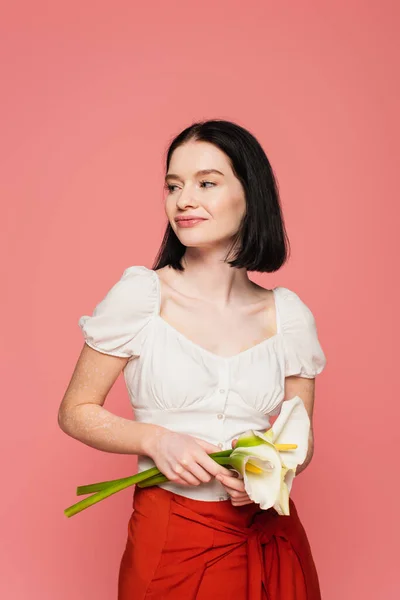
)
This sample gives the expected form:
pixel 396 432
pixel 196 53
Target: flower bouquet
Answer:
pixel 267 461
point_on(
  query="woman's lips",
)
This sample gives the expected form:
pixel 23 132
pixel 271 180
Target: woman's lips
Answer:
pixel 189 222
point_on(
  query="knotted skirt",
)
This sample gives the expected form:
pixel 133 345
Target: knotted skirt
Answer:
pixel 184 549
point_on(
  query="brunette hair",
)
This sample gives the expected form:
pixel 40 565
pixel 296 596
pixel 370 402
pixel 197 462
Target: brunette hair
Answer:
pixel 261 243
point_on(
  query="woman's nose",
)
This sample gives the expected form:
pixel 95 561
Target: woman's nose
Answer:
pixel 187 197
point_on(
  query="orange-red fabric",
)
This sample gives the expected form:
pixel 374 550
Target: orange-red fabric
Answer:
pixel 184 549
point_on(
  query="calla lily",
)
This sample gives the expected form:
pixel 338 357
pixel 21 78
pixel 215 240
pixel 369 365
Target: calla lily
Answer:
pixel 268 461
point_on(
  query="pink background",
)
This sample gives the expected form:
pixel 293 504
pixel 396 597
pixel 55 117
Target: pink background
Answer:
pixel 92 94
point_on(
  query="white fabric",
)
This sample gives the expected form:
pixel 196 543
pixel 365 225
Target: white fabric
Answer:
pixel 176 383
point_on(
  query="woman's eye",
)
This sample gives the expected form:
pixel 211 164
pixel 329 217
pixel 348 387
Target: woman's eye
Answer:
pixel 169 187
pixel 210 182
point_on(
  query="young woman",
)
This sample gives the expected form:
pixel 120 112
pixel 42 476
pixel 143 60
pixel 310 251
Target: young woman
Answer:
pixel 206 354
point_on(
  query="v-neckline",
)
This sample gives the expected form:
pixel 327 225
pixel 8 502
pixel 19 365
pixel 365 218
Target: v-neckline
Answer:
pixel 200 348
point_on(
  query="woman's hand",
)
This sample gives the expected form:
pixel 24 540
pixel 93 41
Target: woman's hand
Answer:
pixel 183 458
pixel 235 487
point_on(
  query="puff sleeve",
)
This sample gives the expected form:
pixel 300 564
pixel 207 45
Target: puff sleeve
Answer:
pixel 304 356
pixel 118 320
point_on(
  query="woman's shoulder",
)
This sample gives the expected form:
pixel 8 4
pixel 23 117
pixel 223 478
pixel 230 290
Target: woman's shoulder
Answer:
pixel 124 310
pixel 135 290
pixel 304 354
pixel 138 274
pixel 294 311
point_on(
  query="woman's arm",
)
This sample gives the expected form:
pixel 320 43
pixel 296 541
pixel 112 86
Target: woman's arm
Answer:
pixel 305 388
pixel 82 416
pixel 181 458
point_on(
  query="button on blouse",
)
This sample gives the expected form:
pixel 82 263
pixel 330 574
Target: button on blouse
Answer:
pixel 175 383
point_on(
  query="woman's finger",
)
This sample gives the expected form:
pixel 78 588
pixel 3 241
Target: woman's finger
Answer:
pixel 236 495
pixel 174 477
pixel 232 483
pixel 198 471
pixel 211 466
pixel 180 471
pixel 190 478
pixel 241 502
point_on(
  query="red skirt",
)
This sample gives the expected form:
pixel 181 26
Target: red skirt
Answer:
pixel 184 549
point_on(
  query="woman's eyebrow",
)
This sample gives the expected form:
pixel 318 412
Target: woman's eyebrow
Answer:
pixel 202 172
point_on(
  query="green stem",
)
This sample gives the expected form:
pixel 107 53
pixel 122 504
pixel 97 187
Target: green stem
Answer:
pixel 102 485
pixel 157 479
pixel 221 453
pixel 104 489
pixel 112 488
pixel 223 461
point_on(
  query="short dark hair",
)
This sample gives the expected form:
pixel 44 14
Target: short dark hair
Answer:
pixel 261 243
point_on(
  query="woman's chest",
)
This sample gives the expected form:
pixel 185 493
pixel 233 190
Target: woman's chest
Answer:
pixel 224 334
pixel 174 373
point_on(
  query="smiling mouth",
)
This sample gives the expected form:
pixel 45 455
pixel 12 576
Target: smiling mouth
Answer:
pixel 189 222
pixel 180 219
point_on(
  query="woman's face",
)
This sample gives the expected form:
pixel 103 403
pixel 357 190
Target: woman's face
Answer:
pixel 216 197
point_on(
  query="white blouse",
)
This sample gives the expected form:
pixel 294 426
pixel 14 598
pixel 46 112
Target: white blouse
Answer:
pixel 175 383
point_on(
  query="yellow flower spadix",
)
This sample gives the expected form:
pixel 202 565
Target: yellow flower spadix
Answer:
pixel 250 468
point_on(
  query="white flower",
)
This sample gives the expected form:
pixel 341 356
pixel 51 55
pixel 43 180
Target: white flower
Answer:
pixel 268 461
